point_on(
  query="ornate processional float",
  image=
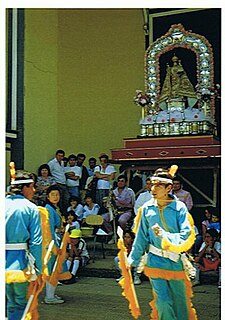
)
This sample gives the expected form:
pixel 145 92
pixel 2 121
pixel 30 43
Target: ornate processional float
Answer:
pixel 175 106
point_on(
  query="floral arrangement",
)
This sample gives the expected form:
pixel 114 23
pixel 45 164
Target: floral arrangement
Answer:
pixel 141 99
pixel 209 93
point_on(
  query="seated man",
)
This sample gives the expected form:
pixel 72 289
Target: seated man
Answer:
pixel 144 196
pixel 182 194
pixel 124 198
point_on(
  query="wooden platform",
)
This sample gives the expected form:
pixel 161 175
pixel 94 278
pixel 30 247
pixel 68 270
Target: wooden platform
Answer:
pixel 187 147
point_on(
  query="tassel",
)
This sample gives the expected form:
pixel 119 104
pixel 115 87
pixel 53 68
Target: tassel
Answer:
pixel 12 171
pixel 173 169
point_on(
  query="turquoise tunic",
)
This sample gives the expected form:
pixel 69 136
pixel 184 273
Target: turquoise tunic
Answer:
pixel 174 218
pixel 171 287
pixel 22 220
pixel 22 226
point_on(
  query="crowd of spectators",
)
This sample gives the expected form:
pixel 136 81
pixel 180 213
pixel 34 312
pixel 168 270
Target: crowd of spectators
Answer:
pixel 95 190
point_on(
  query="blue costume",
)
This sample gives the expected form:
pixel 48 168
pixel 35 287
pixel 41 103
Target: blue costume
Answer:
pixel 171 287
pixel 23 231
pixel 55 222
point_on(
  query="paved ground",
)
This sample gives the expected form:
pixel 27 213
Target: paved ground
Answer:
pixel 100 298
pixel 97 296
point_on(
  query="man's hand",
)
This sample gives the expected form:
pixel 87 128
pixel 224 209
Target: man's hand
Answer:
pixel 157 230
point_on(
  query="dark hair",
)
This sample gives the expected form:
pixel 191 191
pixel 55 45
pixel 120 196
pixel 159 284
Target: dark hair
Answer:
pixel 212 210
pixel 72 156
pixel 92 159
pixel 44 166
pixel 60 151
pixel 74 198
pixel 103 155
pixel 213 232
pixel 131 233
pixel 88 195
pixel 122 176
pixel 71 213
pixel 82 155
pixel 53 188
pixel 178 179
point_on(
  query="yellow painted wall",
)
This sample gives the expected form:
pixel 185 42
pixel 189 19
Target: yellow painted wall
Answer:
pixel 40 81
pixel 82 67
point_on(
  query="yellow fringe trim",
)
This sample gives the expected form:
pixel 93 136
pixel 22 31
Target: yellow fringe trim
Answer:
pixel 171 275
pixel 34 288
pixel 154 313
pixel 46 235
pixel 16 276
pixel 137 220
pixel 57 274
pixel 186 245
pixel 127 282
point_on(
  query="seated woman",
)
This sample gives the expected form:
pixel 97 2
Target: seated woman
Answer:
pixel 208 219
pixel 44 180
pixel 90 207
pixel 104 212
pixel 209 256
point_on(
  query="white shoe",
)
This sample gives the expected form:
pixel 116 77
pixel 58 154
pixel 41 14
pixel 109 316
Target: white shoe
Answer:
pixel 195 283
pixel 101 232
pixel 111 241
pixel 54 301
pixel 137 280
pixel 58 297
pixel 118 279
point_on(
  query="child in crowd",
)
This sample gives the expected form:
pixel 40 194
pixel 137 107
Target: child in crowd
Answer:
pixel 209 255
pixel 76 207
pixel 56 221
pixel 128 242
pixel 72 220
pixel 77 254
pixel 215 222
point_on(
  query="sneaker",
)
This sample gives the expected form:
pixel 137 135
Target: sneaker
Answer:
pixel 53 301
pixel 118 279
pixel 71 280
pixel 111 241
pixel 195 283
pixel 58 297
pixel 137 280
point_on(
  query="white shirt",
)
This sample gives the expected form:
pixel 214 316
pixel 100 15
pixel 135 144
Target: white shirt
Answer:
pixel 88 211
pixel 78 211
pixel 104 184
pixel 77 171
pixel 141 199
pixel 217 246
pixel 57 171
